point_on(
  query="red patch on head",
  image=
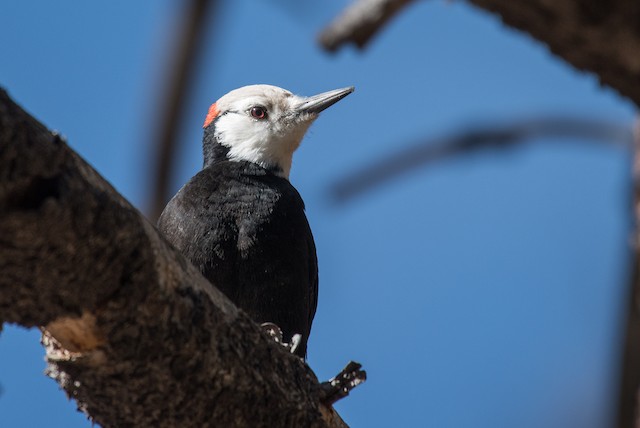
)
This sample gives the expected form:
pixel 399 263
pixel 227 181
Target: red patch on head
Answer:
pixel 213 113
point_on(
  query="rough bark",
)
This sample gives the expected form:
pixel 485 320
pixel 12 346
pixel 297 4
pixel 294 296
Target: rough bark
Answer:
pixel 133 332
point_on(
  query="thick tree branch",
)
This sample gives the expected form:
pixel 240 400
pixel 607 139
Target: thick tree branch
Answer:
pixel 602 37
pixel 133 331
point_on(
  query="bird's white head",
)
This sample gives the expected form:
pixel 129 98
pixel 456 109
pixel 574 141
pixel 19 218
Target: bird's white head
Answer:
pixel 263 124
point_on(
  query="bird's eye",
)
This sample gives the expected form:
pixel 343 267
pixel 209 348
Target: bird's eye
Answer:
pixel 258 112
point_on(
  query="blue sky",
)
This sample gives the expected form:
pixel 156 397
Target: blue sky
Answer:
pixel 484 291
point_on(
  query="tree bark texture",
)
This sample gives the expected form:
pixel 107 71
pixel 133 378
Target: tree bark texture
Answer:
pixel 132 330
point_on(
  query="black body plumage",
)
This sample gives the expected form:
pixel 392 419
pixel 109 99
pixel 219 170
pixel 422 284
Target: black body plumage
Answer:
pixel 245 228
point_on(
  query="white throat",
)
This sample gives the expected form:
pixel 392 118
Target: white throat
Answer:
pixel 270 146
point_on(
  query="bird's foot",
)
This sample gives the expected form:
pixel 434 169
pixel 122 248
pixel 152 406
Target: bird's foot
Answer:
pixel 341 384
pixel 275 332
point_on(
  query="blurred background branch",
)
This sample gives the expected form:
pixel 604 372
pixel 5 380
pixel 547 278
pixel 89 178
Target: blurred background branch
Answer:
pixel 187 49
pixel 601 37
pixel 486 136
pixel 598 36
pixel 359 22
pixel 630 373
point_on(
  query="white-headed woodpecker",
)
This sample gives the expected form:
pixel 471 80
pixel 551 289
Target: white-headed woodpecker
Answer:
pixel 240 221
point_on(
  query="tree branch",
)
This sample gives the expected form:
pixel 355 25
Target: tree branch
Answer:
pixel 630 373
pixel 185 57
pixel 497 136
pixel 602 37
pixel 359 23
pixel 598 36
pixel 133 332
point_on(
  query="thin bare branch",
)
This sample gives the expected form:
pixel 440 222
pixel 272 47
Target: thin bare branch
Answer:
pixel 501 136
pixel 187 51
pixel 628 404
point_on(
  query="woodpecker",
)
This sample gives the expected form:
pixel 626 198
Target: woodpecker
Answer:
pixel 240 221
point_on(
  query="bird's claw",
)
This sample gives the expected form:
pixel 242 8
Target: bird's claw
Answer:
pixel 275 332
pixel 295 343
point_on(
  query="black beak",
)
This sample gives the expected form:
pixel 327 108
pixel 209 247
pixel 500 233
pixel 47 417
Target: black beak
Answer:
pixel 316 103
